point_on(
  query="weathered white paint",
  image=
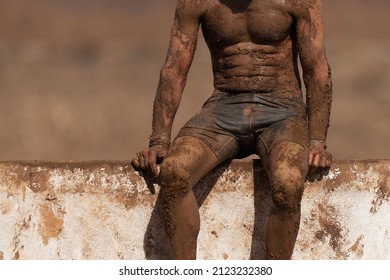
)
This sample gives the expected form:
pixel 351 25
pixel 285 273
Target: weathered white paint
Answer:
pixel 104 210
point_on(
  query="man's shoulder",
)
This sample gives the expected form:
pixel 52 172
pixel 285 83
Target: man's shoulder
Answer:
pixel 302 7
pixel 303 4
pixel 195 6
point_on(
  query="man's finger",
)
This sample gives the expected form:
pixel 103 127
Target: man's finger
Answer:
pixel 153 162
pixel 329 159
pixel 312 170
pixel 323 161
pixel 310 158
pixel 145 155
pixel 135 162
pixel 316 162
pixel 141 160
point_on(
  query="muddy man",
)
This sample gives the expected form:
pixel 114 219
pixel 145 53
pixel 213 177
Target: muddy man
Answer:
pixel 257 107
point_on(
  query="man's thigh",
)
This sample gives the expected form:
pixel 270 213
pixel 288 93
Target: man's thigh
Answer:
pixel 287 167
pixel 287 161
pixel 293 130
pixel 283 149
pixel 191 156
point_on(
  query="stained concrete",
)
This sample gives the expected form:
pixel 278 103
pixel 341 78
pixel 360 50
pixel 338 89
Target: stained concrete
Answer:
pixel 106 210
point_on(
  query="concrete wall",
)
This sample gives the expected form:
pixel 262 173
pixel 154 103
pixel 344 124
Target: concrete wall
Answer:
pixel 105 210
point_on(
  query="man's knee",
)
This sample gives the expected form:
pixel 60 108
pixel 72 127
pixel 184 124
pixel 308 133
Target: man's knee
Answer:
pixel 287 182
pixel 287 171
pixel 287 189
pixel 174 176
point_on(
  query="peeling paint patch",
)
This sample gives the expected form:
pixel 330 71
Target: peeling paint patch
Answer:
pixel 51 226
pixel 358 248
pixel 331 227
pixel 382 195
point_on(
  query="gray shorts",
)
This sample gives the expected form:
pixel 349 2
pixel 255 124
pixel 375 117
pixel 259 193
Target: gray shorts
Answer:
pixel 235 125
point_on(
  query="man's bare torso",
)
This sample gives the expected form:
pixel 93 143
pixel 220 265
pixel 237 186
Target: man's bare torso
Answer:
pixel 251 45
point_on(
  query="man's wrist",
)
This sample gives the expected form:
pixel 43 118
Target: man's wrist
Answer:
pixel 317 142
pixel 159 140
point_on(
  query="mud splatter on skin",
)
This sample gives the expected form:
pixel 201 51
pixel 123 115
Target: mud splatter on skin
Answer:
pixel 173 74
pixel 165 211
pixel 316 70
pixel 187 162
pixel 287 175
pixel 174 181
pixel 251 47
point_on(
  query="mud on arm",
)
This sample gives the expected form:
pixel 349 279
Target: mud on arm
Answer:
pixel 174 72
pixel 172 81
pixel 317 78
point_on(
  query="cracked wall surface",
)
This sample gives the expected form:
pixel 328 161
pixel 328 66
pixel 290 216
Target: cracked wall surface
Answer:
pixel 106 210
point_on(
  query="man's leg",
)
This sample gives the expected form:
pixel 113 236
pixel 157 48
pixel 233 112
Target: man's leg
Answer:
pixel 287 167
pixel 188 160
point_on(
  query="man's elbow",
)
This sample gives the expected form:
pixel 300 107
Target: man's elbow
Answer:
pixel 173 72
pixel 320 74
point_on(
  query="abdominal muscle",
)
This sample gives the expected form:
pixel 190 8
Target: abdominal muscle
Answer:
pixel 249 67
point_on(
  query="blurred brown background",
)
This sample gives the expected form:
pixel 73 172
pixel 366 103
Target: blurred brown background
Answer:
pixel 78 77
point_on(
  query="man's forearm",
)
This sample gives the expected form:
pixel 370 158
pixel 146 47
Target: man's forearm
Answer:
pixel 165 105
pixel 319 103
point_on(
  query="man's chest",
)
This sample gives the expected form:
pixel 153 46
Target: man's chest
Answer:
pixel 258 21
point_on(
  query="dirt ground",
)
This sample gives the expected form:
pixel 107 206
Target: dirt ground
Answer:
pixel 78 77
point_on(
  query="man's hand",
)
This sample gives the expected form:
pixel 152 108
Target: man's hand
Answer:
pixel 148 159
pixel 319 158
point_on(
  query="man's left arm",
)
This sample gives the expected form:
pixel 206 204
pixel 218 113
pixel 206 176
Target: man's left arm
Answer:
pixel 317 79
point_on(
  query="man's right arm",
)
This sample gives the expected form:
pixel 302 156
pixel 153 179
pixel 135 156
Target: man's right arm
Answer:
pixel 173 78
